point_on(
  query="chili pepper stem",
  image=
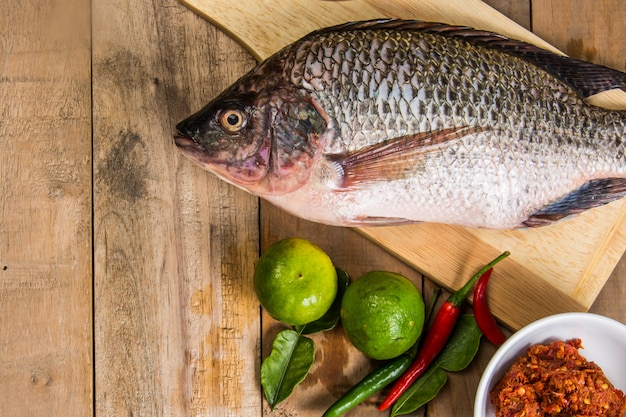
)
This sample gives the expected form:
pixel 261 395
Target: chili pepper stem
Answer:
pixel 458 297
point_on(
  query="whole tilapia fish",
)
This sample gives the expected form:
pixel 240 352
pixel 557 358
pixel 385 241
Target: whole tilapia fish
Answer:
pixel 395 121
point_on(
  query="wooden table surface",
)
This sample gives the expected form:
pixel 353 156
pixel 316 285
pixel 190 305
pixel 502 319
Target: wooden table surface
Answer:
pixel 125 271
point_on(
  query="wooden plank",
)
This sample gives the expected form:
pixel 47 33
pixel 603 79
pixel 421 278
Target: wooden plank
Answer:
pixel 610 301
pixel 45 209
pixel 588 29
pixel 517 10
pixel 176 322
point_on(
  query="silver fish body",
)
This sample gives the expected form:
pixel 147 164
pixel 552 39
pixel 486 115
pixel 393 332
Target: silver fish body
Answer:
pixel 388 122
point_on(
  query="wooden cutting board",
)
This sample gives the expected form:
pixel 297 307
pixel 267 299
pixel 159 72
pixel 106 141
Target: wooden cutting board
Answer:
pixel 553 269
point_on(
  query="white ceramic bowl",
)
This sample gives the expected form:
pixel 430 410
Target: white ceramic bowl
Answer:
pixel 603 339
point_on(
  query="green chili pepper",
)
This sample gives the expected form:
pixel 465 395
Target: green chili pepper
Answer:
pixel 373 382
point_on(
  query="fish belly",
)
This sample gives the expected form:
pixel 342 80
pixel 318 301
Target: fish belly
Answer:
pixel 487 180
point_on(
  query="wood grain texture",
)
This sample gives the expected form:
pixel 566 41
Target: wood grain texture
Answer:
pixel 610 301
pixel 177 328
pixel 592 30
pixel 45 210
pixel 176 320
pixel 517 10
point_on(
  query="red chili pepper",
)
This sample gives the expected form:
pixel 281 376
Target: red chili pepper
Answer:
pixel 437 336
pixel 485 320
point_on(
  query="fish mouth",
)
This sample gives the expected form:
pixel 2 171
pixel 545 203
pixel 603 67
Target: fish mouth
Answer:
pixel 191 149
pixel 182 140
pixel 197 154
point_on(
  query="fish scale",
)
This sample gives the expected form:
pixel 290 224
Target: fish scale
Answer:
pixel 404 121
pixel 433 100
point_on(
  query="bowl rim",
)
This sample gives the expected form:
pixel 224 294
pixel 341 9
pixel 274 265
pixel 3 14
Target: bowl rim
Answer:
pixel 482 391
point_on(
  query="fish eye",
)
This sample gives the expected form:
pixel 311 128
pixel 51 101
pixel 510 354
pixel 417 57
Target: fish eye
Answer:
pixel 232 120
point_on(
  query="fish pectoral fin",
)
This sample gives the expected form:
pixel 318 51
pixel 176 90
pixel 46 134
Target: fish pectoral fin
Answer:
pixel 392 159
pixel 595 193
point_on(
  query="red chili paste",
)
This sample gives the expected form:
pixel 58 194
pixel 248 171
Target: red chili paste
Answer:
pixel 555 380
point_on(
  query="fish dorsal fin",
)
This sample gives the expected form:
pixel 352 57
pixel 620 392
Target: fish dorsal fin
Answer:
pixel 584 77
pixel 393 159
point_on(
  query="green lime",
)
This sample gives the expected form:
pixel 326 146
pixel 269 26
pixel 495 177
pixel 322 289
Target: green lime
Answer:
pixel 295 281
pixel 383 314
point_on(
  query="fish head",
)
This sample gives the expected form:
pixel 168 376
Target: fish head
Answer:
pixel 265 142
pixel 227 137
